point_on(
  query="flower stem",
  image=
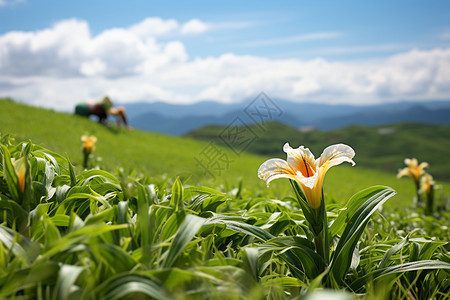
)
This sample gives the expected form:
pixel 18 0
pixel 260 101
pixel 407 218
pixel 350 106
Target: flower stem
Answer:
pixel 321 239
pixel 85 158
pixel 430 200
pixel 326 244
pixel 318 241
pixel 417 183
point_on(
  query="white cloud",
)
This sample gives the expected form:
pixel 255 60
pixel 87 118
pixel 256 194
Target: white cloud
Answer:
pixel 154 27
pixel 68 49
pixel 194 26
pixel 93 68
pixel 62 65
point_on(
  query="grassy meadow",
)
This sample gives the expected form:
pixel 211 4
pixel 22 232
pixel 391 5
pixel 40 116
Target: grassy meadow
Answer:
pixel 144 220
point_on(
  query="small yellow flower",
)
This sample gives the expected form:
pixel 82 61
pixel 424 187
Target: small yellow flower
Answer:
pixel 413 169
pixel 88 143
pixel 426 183
pixel 303 168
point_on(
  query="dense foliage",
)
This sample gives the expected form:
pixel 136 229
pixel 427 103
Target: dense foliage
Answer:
pixel 71 233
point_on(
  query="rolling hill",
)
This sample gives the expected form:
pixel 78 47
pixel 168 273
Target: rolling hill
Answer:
pixel 378 147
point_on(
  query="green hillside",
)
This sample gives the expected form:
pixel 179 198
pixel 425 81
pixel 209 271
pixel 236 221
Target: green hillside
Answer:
pixel 160 156
pixel 150 153
pixel 383 147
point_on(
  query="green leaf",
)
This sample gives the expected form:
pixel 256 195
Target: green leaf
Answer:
pixel 50 156
pixel 392 250
pixel 26 149
pixel 203 203
pixel 10 175
pixel 201 190
pixel 398 269
pixel 99 176
pixel 122 285
pixel 317 281
pixel 176 200
pixel 245 228
pixel 174 278
pixel 30 277
pixel 414 253
pixel 78 198
pixel 429 248
pixel 105 188
pixel 371 199
pixel 113 257
pixel 61 192
pixel 122 218
pixel 51 232
pixel 14 214
pixel 299 253
pixel 122 212
pixel 144 224
pixel 251 262
pixel 82 234
pixel 171 225
pixel 61 220
pixel 43 171
pixel 67 276
pixel 143 216
pixel 73 179
pixel 104 216
pixel 185 234
pixel 284 281
pixel 353 204
pixel 75 222
pixel 22 247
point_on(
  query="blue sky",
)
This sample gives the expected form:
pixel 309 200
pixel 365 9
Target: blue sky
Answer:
pixel 268 28
pixel 304 45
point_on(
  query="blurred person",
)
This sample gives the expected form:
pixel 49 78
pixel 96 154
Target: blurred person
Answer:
pixel 102 109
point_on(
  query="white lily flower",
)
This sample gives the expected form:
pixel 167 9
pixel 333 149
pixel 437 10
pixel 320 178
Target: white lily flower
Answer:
pixel 303 168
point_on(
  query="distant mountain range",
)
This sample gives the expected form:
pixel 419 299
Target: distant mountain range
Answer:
pixel 181 119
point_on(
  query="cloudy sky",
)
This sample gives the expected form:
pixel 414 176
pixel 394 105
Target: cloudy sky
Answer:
pixel 57 53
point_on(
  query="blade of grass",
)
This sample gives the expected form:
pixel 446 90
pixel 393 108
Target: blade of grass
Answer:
pixel 185 233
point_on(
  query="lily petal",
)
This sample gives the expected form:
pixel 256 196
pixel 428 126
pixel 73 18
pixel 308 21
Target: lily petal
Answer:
pixel 275 168
pixel 301 160
pixel 411 162
pixel 335 155
pixel 403 172
pixel 309 182
pixel 423 165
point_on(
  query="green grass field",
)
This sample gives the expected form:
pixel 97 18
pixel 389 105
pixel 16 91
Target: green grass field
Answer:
pixel 158 155
pixel 145 221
